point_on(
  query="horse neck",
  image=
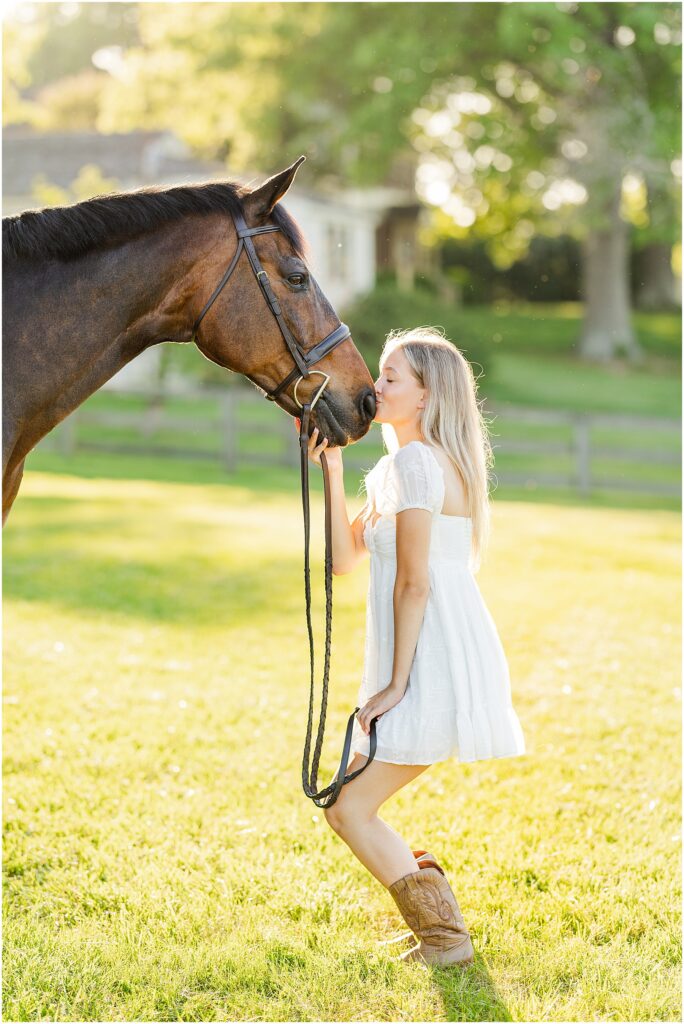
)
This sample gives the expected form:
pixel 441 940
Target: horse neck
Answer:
pixel 69 327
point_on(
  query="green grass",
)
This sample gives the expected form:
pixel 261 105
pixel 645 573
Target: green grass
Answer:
pixel 561 382
pixel 548 329
pixel 161 860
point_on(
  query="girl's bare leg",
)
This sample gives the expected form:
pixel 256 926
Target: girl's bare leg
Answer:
pixel 354 818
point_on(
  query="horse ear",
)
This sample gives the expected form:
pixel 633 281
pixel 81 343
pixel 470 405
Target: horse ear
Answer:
pixel 262 200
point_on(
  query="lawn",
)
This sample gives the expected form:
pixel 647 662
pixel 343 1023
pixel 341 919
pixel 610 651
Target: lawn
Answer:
pixel 161 860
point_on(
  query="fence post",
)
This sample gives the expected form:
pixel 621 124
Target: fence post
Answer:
pixel 582 427
pixel 290 456
pixel 151 414
pixel 228 430
pixel 66 437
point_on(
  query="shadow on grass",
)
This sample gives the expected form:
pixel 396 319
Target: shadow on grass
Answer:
pixel 262 480
pixel 469 993
pixel 49 562
pixel 188 590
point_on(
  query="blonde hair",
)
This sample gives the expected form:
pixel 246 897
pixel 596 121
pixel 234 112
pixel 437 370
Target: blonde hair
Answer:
pixel 452 418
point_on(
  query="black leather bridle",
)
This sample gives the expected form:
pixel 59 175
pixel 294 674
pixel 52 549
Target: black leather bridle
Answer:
pixel 303 362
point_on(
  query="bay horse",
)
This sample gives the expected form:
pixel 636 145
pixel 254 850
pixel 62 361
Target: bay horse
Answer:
pixel 89 287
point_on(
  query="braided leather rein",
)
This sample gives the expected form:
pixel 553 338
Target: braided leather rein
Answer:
pixel 325 797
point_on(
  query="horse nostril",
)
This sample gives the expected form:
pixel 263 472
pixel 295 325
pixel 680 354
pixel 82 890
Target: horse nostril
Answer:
pixel 368 404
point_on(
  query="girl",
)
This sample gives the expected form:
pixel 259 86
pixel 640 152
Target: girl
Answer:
pixel 435 674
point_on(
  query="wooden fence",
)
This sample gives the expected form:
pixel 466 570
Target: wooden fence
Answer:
pixel 224 425
pixel 659 445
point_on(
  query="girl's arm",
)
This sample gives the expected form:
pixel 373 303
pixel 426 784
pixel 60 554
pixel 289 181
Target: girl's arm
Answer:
pixel 348 547
pixel 411 589
pixel 346 550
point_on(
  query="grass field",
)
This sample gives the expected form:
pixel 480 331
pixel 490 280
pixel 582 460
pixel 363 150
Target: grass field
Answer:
pixel 161 860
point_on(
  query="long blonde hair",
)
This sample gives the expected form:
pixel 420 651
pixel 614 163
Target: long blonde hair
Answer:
pixel 452 418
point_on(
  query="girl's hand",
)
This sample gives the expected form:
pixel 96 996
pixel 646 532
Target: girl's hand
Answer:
pixel 377 705
pixel 333 456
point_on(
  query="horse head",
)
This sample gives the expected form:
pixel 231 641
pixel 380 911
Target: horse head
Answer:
pixel 263 297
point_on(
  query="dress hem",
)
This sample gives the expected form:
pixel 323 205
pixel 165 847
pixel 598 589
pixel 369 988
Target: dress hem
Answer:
pixel 440 760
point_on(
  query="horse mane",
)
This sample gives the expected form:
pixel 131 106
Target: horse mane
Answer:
pixel 69 232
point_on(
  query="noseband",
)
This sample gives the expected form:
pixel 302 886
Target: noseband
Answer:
pixel 303 363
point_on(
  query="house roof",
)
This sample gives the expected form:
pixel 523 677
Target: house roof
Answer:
pixel 139 158
pixel 132 158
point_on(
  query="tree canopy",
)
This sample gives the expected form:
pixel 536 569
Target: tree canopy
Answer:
pixel 517 118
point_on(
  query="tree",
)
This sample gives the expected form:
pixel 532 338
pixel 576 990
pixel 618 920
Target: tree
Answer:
pixel 526 118
pixel 520 118
pixel 523 118
pixel 19 38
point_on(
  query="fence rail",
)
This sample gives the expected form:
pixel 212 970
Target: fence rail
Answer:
pixel 220 422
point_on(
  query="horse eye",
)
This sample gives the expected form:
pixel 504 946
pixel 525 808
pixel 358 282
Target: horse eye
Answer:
pixel 297 280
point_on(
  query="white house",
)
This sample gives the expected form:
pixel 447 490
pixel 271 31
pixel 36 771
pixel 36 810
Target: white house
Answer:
pixel 341 237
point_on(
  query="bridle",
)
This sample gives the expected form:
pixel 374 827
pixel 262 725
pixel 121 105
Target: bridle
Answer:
pixel 303 362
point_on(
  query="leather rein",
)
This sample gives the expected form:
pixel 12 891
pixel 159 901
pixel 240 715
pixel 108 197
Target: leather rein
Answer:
pixel 303 361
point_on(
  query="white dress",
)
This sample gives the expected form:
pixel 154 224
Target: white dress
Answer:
pixel 458 699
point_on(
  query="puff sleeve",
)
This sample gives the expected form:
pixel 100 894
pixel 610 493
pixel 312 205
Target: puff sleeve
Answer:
pixel 412 480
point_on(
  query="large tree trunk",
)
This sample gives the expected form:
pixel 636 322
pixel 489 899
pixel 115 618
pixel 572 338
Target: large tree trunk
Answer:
pixel 656 286
pixel 607 330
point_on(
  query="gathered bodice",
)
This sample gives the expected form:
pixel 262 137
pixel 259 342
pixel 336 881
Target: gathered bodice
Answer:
pixel 413 478
pixel 450 538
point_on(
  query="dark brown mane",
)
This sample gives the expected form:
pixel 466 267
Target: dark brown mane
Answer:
pixel 69 232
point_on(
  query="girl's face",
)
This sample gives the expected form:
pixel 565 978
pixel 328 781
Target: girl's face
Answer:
pixel 399 397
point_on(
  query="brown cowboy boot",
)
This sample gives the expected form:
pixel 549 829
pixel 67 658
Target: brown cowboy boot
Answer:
pixel 431 911
pixel 423 860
